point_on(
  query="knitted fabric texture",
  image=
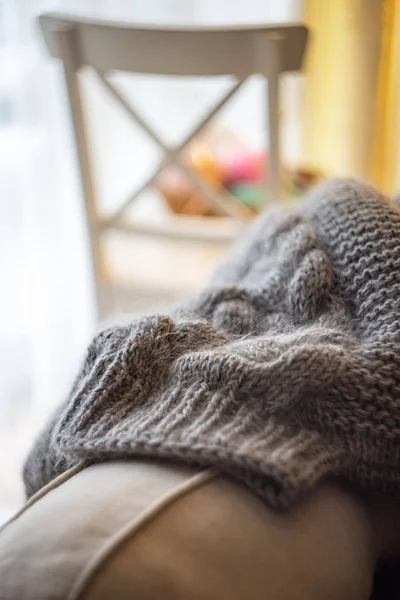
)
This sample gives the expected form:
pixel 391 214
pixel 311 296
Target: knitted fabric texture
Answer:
pixel 284 370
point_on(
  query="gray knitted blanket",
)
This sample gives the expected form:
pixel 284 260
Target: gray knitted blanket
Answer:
pixel 283 371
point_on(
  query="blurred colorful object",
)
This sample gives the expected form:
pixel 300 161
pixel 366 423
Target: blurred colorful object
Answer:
pixel 252 195
pixel 244 176
pixel 243 173
pixel 203 161
pixel 248 166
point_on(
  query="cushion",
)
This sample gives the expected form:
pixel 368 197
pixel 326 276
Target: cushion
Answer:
pixel 145 530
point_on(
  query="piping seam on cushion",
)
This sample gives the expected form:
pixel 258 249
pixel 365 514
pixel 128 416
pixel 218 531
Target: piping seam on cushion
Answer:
pixel 133 527
pixel 53 485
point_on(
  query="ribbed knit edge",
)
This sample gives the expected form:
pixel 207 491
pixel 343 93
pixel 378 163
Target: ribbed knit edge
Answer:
pixel 193 427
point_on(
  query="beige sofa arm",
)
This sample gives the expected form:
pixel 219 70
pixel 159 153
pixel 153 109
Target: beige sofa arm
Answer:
pixel 145 530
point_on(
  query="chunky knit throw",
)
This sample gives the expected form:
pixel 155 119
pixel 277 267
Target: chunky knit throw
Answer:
pixel 284 370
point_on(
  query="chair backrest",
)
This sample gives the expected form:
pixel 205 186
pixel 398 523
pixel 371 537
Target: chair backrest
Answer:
pixel 222 50
pixel 196 51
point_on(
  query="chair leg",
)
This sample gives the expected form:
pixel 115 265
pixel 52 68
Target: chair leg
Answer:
pixel 67 46
pixel 273 167
pixel 272 175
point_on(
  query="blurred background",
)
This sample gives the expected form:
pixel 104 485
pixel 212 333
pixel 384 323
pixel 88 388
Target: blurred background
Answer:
pixel 338 117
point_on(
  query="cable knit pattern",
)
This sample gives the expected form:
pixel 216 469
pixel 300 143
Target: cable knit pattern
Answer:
pixel 284 370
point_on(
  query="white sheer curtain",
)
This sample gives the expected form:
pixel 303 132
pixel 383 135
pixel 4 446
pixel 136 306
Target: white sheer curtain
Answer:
pixel 46 304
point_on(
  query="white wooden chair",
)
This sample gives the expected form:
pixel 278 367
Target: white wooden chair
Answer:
pixel 195 51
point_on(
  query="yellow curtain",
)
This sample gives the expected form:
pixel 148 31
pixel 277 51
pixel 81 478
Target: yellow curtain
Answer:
pixel 342 67
pixel 386 152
